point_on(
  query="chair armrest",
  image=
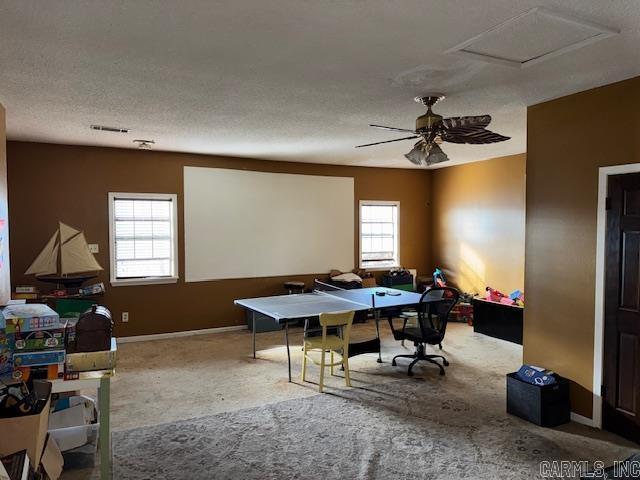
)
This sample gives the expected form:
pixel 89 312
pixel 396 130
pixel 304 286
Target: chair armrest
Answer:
pixel 397 334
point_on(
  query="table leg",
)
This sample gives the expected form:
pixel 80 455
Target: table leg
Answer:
pixel 376 315
pixel 253 325
pixel 286 336
pixel 104 404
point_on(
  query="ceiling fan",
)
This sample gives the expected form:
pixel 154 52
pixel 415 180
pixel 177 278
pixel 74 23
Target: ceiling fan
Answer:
pixel 432 130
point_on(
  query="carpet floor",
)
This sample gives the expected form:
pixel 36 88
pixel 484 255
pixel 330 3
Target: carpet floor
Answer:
pixel 202 408
pixel 402 429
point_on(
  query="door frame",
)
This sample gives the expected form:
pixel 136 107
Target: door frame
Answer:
pixel 598 331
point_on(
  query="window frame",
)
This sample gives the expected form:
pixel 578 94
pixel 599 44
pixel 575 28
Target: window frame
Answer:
pixel 118 282
pixel 395 203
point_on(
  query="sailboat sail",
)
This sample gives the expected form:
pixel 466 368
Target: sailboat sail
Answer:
pixel 47 261
pixel 66 232
pixel 76 257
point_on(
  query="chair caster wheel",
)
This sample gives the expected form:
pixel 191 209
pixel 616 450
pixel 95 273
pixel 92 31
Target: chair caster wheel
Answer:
pixel 393 363
pixel 410 373
pixel 445 363
pixel 379 360
pixel 441 372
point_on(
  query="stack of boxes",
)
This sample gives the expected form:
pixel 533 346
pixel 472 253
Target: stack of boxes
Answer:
pixel 32 342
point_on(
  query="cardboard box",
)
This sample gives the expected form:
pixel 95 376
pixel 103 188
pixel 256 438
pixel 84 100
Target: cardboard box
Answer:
pixel 51 460
pixel 37 339
pixel 90 361
pixel 29 317
pixel 28 432
pixel 34 359
pixel 26 289
pixel 369 282
pixel 48 372
pixel 6 356
pixel 24 296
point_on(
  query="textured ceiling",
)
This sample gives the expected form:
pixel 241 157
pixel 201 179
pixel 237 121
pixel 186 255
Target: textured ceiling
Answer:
pixel 296 80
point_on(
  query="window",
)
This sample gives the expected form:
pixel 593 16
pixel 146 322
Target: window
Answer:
pixel 379 234
pixel 143 231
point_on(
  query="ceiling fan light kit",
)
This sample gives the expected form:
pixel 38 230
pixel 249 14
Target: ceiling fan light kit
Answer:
pixel 425 155
pixel 433 129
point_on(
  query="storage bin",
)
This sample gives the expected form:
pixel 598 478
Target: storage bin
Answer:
pixel 85 455
pixel 69 438
pixel 546 405
pixel 394 281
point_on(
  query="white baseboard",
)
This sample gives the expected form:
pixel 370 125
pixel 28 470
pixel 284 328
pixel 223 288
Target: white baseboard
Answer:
pixel 581 419
pixel 187 333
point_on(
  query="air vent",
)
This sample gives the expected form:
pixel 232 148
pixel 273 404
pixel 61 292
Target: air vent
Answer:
pixel 532 37
pixel 104 128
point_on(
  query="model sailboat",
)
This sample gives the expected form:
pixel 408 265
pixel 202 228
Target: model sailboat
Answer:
pixel 65 259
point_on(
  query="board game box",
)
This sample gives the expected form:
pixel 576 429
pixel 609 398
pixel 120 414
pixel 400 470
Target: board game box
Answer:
pixel 34 359
pixel 29 317
pixel 37 339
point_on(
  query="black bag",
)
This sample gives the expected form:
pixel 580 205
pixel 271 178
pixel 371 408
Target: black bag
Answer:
pixel 92 331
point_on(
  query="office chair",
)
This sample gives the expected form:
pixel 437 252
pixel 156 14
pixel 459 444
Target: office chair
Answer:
pixel 333 344
pixel 410 318
pixel 433 315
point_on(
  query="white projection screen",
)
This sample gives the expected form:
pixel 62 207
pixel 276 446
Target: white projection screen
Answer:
pixel 245 224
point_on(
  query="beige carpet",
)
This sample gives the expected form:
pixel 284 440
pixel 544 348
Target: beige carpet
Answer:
pixel 161 382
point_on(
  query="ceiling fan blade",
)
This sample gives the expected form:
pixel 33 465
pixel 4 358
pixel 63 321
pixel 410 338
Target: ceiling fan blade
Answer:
pixel 387 141
pixel 475 137
pixel 393 129
pixel 471 122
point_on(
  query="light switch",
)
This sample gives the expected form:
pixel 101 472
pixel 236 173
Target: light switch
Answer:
pixel 94 248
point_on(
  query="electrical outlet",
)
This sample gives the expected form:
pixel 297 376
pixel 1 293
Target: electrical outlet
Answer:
pixel 94 248
pixel 125 316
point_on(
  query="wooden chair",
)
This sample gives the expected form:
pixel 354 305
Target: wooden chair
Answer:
pixel 333 344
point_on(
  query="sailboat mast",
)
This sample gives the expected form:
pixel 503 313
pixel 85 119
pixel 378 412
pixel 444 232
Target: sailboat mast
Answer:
pixel 59 260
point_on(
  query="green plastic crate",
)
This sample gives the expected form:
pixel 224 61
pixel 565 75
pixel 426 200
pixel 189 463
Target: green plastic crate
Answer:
pixel 408 287
pixel 71 307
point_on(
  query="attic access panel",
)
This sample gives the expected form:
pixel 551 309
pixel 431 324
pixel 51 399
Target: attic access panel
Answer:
pixel 532 37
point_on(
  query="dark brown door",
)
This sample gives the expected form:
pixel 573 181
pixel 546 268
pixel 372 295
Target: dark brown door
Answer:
pixel 621 407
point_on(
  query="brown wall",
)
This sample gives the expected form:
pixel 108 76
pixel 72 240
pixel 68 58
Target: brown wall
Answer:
pixel 48 183
pixel 568 140
pixel 478 223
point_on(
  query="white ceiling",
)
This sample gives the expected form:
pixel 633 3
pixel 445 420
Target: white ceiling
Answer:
pixel 295 80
